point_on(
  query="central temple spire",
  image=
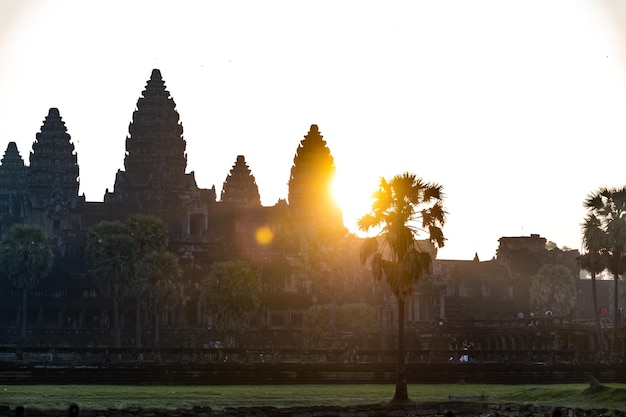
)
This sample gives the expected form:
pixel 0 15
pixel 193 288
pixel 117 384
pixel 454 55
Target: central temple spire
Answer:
pixel 155 159
pixel 310 183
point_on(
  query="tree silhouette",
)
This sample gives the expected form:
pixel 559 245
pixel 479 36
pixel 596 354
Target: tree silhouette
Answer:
pixel 110 255
pixel 402 209
pixel 232 296
pixel 593 261
pixel 553 288
pixel 149 234
pixel 25 258
pixel 160 274
pixel 606 235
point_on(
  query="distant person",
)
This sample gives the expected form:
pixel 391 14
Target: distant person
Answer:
pixel 73 411
pixel 453 347
pixel 464 357
pixel 472 352
pixel 557 412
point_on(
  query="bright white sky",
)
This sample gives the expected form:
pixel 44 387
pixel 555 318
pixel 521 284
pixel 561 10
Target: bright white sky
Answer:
pixel 517 108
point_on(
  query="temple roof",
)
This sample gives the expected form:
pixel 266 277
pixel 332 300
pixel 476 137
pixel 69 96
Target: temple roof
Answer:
pixel 240 186
pixel 53 172
pixel 310 183
pixel 155 161
pixel 312 171
pixel 12 171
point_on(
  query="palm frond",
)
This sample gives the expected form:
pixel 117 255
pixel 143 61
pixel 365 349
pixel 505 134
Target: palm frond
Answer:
pixel 369 247
pixel 367 222
pixel 436 236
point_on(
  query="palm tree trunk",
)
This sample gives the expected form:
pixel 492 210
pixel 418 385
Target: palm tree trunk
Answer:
pixel 333 317
pixel 117 333
pixel 138 324
pixel 615 310
pixel 401 394
pixel 157 326
pixel 24 309
pixel 596 313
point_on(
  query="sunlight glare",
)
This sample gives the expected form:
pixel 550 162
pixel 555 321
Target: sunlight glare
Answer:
pixel 264 235
pixel 354 198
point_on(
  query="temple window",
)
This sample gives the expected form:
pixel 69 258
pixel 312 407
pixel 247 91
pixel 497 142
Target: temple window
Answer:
pixel 196 224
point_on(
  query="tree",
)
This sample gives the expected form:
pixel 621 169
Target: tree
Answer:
pixel 110 256
pixel 160 273
pixel 607 234
pixel 25 258
pixel 149 234
pixel 357 318
pixel 232 296
pixel 402 209
pixel 593 261
pixel 335 271
pixel 114 254
pixel 553 288
pixel 318 324
pixel 550 245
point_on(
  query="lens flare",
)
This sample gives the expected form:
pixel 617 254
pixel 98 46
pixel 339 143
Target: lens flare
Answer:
pixel 264 235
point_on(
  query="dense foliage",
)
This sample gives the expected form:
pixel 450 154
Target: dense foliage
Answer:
pixel 553 289
pixel 232 296
pixel 25 258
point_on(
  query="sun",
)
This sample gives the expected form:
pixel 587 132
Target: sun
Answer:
pixel 354 198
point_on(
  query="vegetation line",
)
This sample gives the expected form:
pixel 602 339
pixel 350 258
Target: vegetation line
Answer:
pixel 102 397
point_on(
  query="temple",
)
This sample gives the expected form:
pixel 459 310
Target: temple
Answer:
pixel 203 230
pixel 240 187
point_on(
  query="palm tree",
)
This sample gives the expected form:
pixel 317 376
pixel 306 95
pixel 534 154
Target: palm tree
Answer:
pixel 403 208
pixel 232 296
pixel 149 234
pixel 593 261
pixel 160 273
pixel 25 258
pixel 110 257
pixel 607 235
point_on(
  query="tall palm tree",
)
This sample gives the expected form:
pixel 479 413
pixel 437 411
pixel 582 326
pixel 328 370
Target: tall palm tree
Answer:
pixel 149 234
pixel 161 274
pixel 110 257
pixel 25 258
pixel 594 262
pixel 608 206
pixel 403 208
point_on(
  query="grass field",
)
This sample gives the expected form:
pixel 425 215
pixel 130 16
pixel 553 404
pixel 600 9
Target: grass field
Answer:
pixel 100 397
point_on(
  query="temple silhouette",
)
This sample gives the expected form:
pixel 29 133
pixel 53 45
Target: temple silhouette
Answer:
pixel 203 230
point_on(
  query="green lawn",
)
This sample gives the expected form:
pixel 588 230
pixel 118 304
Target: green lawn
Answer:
pixel 101 397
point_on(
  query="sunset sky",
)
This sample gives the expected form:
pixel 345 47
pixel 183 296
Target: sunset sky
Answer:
pixel 517 108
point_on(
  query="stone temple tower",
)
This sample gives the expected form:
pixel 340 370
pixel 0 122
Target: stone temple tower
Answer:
pixel 310 187
pixel 12 187
pixel 240 187
pixel 52 181
pixel 155 159
pixel 154 180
